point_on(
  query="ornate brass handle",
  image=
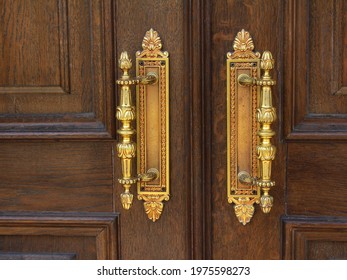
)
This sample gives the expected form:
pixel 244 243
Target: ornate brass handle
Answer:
pixel 126 114
pixel 266 115
pixel 250 115
pixel 152 118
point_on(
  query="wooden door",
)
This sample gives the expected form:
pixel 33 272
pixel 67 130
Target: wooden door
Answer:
pixel 308 42
pixel 59 194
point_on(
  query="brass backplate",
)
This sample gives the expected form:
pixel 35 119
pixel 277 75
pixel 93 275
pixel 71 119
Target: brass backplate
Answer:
pixel 153 124
pixel 242 126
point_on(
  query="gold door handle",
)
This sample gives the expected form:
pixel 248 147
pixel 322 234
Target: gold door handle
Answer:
pixel 151 114
pixel 266 115
pixel 250 115
pixel 126 114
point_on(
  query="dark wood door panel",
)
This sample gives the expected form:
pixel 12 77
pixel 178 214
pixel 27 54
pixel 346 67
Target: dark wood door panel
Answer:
pixel 315 69
pixel 314 238
pixel 325 249
pixel 33 235
pixel 34 51
pixel 56 69
pixel 315 126
pixel 316 179
pixel 53 176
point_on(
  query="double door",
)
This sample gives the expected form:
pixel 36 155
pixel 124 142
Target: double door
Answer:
pixel 59 193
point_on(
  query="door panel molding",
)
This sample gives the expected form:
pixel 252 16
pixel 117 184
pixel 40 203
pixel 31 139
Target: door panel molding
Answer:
pixel 67 91
pixel 86 235
pixel 197 78
pixel 29 46
pixel 314 238
pixel 315 107
pixel 36 256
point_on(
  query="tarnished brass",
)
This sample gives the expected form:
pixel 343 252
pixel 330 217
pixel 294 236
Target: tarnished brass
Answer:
pixel 152 115
pixel 250 114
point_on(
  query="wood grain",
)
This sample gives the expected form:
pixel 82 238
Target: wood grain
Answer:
pixel 56 176
pixel 314 69
pixel 57 69
pixel 197 77
pixel 314 238
pixel 33 34
pixel 326 25
pixel 261 238
pixel 317 179
pixel 29 235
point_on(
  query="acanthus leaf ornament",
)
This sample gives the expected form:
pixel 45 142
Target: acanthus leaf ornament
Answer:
pixel 243 46
pixel 126 150
pixel 153 205
pixel 151 45
pixel 266 152
pixel 266 115
pixel 244 210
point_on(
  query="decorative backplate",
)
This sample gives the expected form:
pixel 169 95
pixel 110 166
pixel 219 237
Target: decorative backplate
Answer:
pixel 153 124
pixel 242 126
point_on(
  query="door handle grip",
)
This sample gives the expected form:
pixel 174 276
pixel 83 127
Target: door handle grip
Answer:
pixel 125 113
pixel 266 115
